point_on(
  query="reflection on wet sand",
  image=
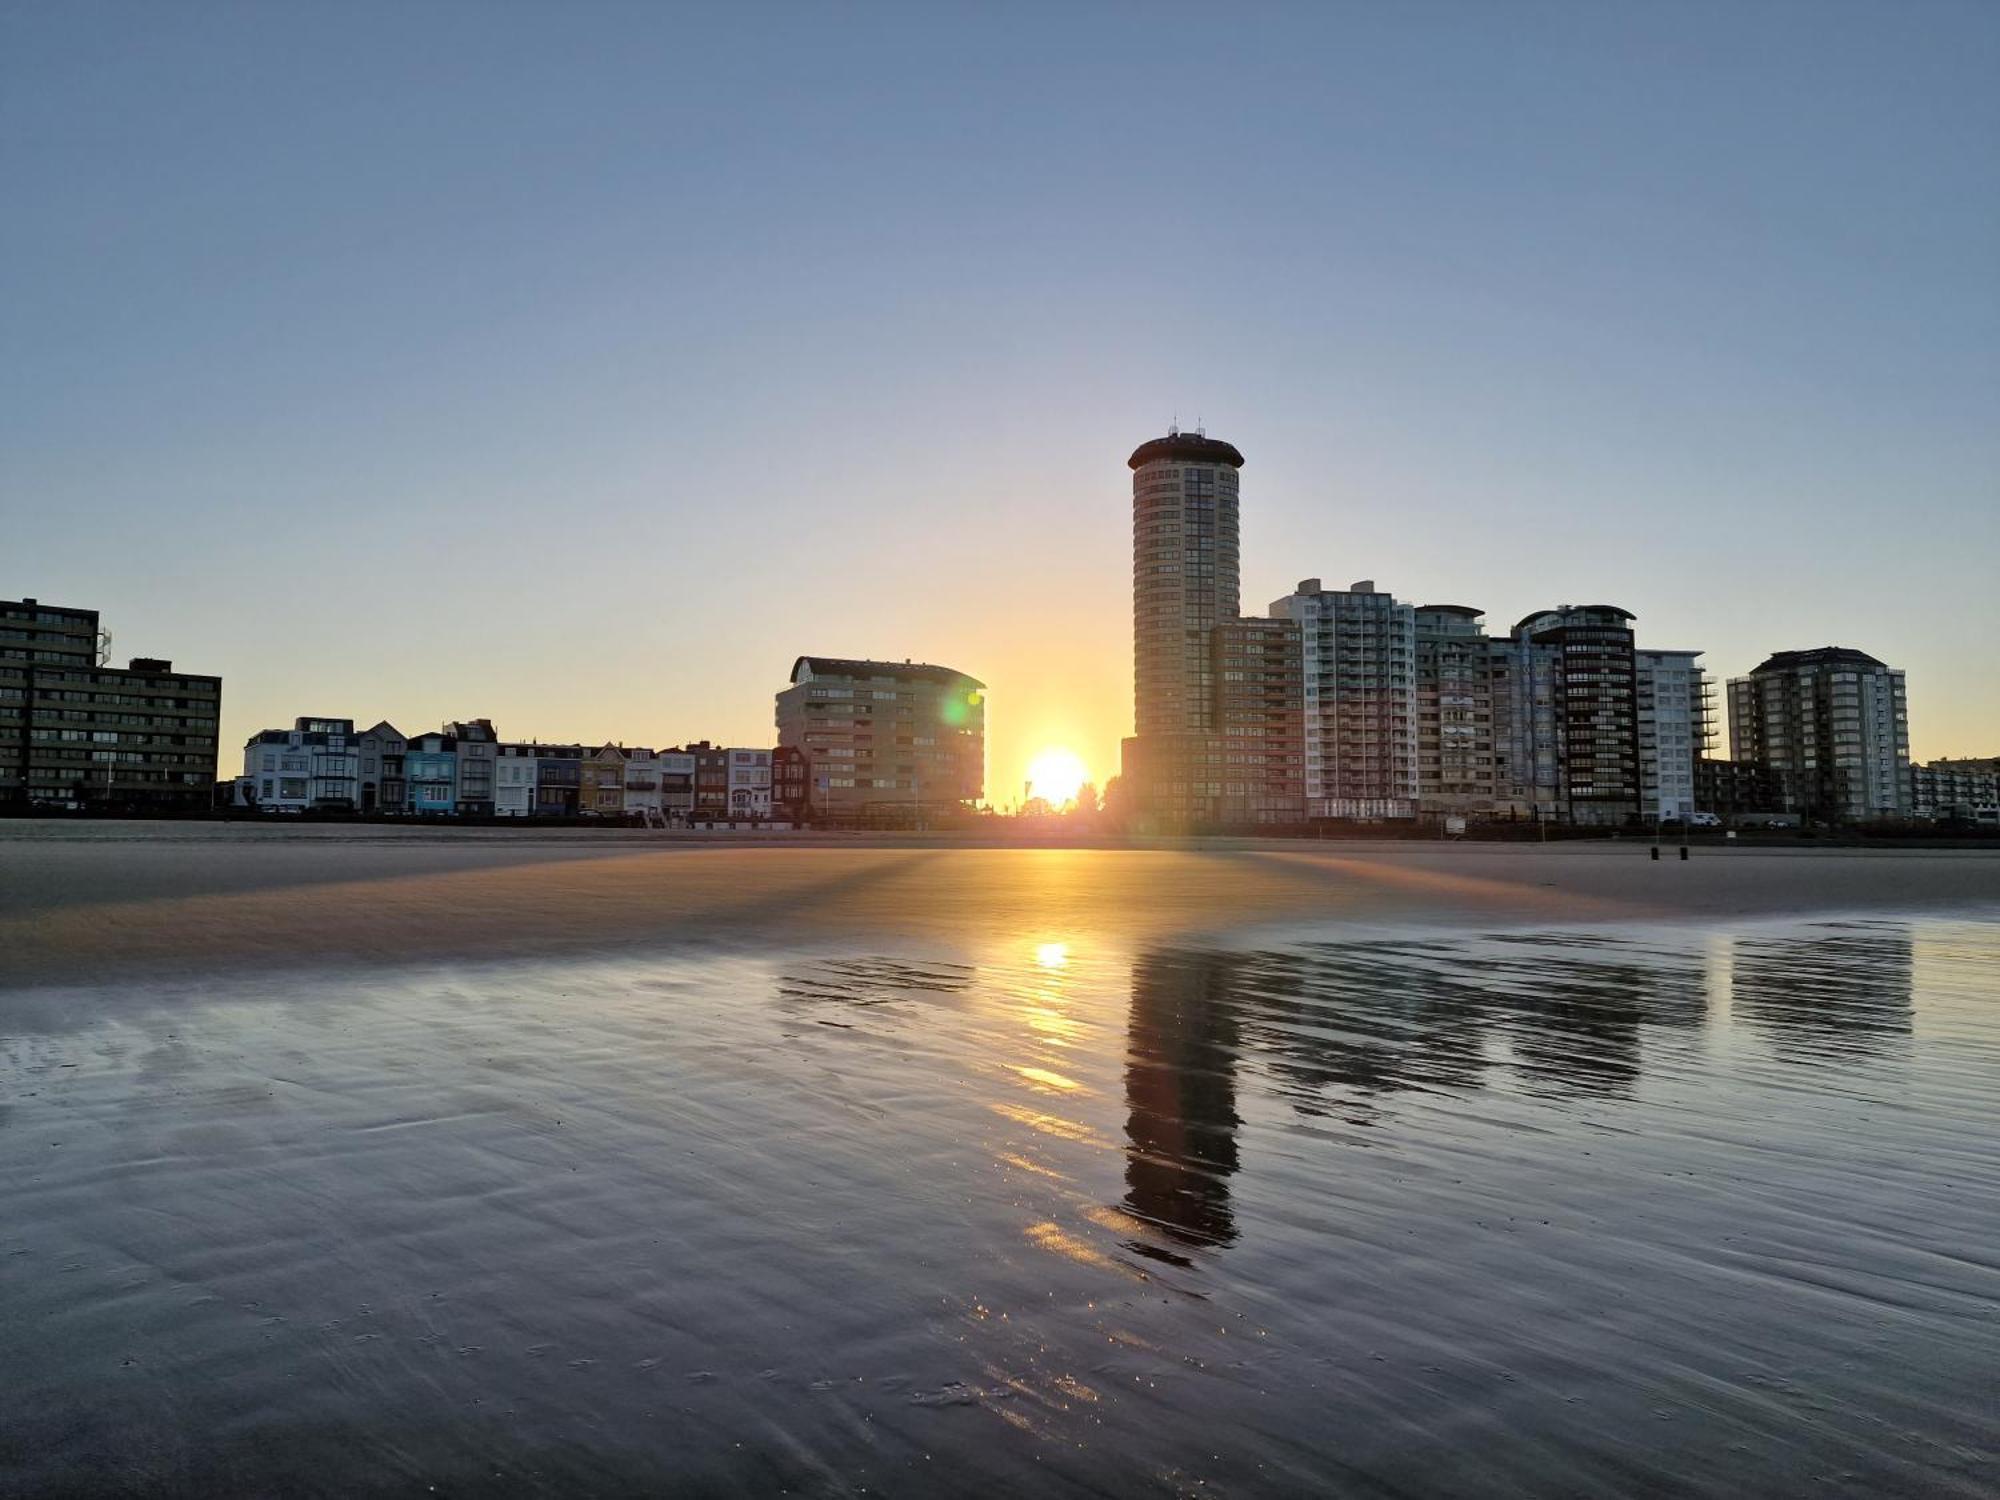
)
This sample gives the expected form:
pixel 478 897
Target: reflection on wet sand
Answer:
pixel 1430 1212
pixel 1337 1027
pixel 1839 992
pixel 1180 1094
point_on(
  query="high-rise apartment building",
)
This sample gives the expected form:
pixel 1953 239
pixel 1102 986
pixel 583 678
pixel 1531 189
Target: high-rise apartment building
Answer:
pixel 1185 582
pixel 1259 725
pixel 1671 698
pixel 1832 722
pixel 1185 576
pixel 1456 765
pixel 889 742
pixel 1572 716
pixel 1358 659
pixel 77 734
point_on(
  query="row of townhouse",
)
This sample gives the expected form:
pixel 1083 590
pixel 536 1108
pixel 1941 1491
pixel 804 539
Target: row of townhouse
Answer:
pixel 464 769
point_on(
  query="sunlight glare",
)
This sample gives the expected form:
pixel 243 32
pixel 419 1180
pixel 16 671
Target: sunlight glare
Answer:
pixel 1056 776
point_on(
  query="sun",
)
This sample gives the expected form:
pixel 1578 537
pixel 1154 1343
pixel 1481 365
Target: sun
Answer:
pixel 1056 776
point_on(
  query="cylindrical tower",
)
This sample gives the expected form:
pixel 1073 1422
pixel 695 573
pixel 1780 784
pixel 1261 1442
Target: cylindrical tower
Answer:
pixel 1184 576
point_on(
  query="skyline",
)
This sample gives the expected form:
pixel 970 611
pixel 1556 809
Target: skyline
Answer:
pixel 449 366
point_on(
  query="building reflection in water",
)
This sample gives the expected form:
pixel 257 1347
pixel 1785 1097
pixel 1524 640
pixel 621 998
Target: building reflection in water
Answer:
pixel 1180 1092
pixel 1840 992
pixel 1579 1005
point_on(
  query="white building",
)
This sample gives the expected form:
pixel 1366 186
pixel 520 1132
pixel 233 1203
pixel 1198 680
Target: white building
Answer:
pixel 1669 689
pixel 644 787
pixel 677 771
pixel 516 775
pixel 314 764
pixel 1360 668
pixel 749 783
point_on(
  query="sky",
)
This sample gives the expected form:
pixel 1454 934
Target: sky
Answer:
pixel 579 366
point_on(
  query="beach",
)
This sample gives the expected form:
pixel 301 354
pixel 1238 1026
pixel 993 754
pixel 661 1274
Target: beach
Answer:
pixel 349 1164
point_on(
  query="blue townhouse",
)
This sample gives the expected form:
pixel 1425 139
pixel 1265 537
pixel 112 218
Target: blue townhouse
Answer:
pixel 430 768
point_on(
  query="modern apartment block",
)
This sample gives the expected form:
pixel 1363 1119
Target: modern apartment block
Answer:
pixel 1456 758
pixel 1185 581
pixel 1260 725
pixel 315 766
pixel 75 733
pixel 1832 722
pixel 889 742
pixel 1571 717
pixel 1359 664
pixel 1671 698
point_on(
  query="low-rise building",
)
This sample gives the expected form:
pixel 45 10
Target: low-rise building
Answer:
pixel 749 784
pixel 430 770
pixel 1956 791
pixel 384 787
pixel 601 793
pixel 315 766
pixel 478 750
pixel 558 780
pixel 1733 789
pixel 643 787
pixel 517 769
pixel 791 784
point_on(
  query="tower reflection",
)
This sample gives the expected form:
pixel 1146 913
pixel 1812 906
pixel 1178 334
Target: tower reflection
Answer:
pixel 1841 992
pixel 1180 1093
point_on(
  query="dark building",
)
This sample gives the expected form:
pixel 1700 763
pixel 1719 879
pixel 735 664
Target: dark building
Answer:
pixel 1732 788
pixel 77 734
pixel 558 780
pixel 1833 723
pixel 711 778
pixel 1576 704
pixel 1260 721
pixel 383 787
pixel 1185 583
pixel 791 784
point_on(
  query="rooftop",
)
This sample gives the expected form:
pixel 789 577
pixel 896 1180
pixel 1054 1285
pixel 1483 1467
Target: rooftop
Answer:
pixel 809 667
pixel 1190 446
pixel 1818 656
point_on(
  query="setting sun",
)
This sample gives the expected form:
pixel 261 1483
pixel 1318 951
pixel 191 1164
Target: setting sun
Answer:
pixel 1056 776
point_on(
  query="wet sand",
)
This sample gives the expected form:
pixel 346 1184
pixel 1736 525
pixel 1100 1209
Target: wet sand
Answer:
pixel 165 900
pixel 366 1167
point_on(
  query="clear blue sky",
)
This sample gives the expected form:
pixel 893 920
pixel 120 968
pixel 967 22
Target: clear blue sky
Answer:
pixel 579 365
